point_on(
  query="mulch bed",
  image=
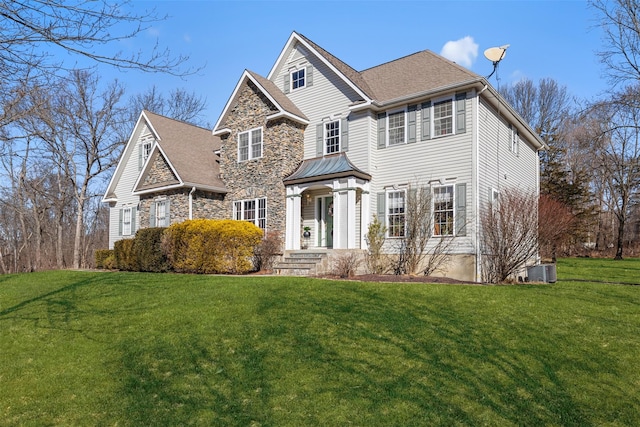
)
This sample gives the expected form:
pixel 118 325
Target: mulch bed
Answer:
pixel 403 279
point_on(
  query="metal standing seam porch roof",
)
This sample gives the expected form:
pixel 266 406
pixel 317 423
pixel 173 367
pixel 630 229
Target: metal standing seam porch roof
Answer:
pixel 327 167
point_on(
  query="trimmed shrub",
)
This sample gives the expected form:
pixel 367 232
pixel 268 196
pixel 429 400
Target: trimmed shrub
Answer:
pixel 124 255
pixel 110 262
pixel 211 246
pixel 147 247
pixel 101 255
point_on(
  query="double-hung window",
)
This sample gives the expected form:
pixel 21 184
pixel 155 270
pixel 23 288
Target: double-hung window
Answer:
pixel 161 215
pixel 443 118
pixel 515 139
pixel 396 128
pixel 126 222
pixel 332 137
pixel 251 210
pixel 298 79
pixel 396 213
pixel 250 144
pixel 443 208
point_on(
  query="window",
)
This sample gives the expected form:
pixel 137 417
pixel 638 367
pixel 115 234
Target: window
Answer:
pixel 126 222
pixel 443 211
pixel 515 139
pixel 162 219
pixel 250 145
pixel 332 137
pixel 443 118
pixel 144 150
pixel 252 210
pixel 396 126
pixel 395 213
pixel 298 79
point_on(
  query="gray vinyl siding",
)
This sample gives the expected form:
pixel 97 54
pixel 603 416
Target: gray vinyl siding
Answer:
pixel 448 157
pixel 499 167
pixel 124 187
pixel 328 95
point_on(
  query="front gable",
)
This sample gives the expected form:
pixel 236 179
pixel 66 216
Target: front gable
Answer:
pixel 159 173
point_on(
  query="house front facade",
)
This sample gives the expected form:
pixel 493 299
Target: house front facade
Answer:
pixel 318 145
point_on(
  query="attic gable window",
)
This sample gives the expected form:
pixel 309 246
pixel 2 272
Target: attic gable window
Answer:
pixel 298 79
pixel 250 145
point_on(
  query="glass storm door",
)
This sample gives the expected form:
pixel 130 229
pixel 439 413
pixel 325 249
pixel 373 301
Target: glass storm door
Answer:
pixel 325 221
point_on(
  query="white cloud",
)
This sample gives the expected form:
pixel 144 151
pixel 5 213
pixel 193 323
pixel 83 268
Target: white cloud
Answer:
pixel 463 51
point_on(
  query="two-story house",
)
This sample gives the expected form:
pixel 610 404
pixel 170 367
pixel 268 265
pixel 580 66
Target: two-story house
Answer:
pixel 318 144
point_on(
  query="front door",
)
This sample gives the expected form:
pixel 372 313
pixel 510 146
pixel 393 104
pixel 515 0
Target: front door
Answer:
pixel 324 213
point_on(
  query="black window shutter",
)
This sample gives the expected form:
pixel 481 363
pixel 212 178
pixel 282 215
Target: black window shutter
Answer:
pixel 120 223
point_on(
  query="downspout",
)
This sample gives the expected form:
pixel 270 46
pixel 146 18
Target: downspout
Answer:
pixel 193 190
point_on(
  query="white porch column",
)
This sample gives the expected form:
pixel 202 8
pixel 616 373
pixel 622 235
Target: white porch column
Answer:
pixel 351 213
pixel 338 218
pixel 292 228
pixel 365 217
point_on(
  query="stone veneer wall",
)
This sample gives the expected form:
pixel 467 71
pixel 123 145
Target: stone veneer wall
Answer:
pixel 205 205
pixel 159 173
pixel 283 145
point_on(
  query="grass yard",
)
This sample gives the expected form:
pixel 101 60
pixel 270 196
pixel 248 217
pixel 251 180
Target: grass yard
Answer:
pixel 129 349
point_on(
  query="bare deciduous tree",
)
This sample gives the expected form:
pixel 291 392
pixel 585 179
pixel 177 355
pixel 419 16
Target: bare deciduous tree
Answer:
pixel 620 22
pixel 617 152
pixel 509 235
pixel 35 32
pixel 178 104
pixel 416 251
pixel 555 224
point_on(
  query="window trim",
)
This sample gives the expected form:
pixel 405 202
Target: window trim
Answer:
pixel 239 210
pixel 325 137
pixel 452 209
pixel 293 80
pixel 405 127
pixel 387 213
pixel 127 229
pixel 250 144
pixel 165 220
pixel 451 100
pixel 515 141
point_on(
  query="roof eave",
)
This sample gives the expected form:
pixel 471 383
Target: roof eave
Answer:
pixel 356 174
pixel 287 115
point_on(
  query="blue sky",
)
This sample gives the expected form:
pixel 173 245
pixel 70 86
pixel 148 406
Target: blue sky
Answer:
pixel 557 39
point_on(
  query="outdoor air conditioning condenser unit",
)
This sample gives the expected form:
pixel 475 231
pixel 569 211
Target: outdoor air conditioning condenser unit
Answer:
pixel 542 273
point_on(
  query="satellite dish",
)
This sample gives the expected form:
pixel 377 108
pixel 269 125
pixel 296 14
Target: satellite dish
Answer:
pixel 495 55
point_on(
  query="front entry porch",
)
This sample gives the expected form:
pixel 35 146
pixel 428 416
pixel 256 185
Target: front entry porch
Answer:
pixel 327 214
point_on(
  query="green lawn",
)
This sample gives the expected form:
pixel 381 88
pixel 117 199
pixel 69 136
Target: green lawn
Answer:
pixel 128 349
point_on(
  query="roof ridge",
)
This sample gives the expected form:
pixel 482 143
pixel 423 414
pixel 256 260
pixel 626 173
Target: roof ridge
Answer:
pixel 162 116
